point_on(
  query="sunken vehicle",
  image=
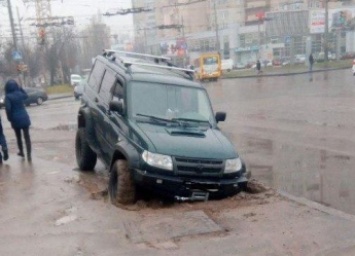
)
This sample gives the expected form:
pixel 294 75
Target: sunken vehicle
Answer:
pixel 154 128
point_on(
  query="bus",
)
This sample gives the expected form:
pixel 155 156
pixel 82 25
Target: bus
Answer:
pixel 208 66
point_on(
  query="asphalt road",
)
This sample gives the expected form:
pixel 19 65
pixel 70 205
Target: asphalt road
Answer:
pixel 286 129
pixel 296 133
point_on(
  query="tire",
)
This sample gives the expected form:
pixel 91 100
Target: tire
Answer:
pixel 85 157
pixel 121 186
pixel 39 101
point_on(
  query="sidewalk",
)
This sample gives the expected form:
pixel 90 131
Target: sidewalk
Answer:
pixel 47 205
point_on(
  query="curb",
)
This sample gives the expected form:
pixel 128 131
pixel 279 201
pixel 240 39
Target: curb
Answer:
pixel 318 206
pixel 286 74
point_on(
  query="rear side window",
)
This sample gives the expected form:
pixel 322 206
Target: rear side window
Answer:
pixel 106 87
pixel 96 75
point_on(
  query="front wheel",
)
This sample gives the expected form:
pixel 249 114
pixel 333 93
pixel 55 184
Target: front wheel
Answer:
pixel 85 156
pixel 121 186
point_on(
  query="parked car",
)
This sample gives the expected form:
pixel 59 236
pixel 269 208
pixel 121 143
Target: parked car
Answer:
pixel 353 69
pixel 227 65
pixel 79 88
pixel 35 95
pixel 300 58
pixel 75 79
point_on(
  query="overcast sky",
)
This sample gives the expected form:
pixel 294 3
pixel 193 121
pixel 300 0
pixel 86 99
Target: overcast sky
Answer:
pixel 81 10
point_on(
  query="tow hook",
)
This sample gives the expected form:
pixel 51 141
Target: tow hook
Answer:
pixel 195 196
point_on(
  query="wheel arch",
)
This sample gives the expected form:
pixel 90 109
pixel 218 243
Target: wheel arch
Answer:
pixel 125 151
pixel 83 118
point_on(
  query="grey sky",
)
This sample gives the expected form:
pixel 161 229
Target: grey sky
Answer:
pixel 81 10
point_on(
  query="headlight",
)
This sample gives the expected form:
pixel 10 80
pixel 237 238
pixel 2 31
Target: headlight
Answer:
pixel 233 165
pixel 158 160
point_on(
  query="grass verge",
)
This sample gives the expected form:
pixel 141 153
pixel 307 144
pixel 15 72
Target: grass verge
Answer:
pixel 57 89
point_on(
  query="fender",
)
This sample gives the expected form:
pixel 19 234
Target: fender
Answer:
pixel 124 150
pixel 85 121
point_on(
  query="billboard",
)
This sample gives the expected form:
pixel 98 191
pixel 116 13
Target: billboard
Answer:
pixel 316 21
pixel 342 18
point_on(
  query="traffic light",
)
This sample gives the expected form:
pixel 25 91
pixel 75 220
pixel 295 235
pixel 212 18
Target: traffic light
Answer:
pixel 42 36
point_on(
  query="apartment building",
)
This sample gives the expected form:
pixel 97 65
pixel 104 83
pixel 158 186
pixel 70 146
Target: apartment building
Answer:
pixel 243 30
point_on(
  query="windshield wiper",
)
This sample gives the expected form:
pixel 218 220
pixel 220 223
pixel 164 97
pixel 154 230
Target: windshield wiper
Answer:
pixel 156 118
pixel 181 119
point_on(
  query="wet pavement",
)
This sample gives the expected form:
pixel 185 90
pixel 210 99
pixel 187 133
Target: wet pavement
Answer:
pixel 295 133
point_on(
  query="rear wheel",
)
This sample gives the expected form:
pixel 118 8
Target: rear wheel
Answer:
pixel 85 157
pixel 39 101
pixel 121 186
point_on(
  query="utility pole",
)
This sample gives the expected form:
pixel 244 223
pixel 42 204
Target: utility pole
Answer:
pixel 12 24
pixel 218 48
pixel 326 31
pixel 20 26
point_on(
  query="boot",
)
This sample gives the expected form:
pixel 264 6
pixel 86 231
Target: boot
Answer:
pixel 28 149
pixel 6 154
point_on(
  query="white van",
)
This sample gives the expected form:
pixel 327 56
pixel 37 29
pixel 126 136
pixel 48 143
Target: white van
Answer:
pixel 75 79
pixel 227 64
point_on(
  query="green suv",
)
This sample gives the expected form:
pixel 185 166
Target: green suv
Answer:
pixel 154 128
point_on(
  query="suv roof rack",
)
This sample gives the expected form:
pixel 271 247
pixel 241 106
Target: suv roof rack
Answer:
pixel 156 58
pixel 166 60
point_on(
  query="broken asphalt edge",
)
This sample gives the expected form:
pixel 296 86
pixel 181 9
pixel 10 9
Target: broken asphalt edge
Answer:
pixel 317 206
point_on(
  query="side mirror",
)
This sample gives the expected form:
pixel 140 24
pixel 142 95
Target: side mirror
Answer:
pixel 220 116
pixel 116 106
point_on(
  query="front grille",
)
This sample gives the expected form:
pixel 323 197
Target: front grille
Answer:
pixel 199 167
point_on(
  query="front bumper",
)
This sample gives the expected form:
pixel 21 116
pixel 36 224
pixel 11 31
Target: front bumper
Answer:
pixel 190 188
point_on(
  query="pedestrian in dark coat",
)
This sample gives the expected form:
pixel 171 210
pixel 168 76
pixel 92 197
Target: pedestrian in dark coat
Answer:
pixel 3 145
pixel 258 66
pixel 311 62
pixel 17 115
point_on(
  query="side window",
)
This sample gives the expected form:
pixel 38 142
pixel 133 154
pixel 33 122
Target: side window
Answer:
pixel 96 75
pixel 106 86
pixel 117 91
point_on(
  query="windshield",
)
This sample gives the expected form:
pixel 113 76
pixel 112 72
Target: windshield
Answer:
pixel 169 102
pixel 210 61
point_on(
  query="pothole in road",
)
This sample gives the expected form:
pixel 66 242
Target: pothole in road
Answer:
pixel 96 185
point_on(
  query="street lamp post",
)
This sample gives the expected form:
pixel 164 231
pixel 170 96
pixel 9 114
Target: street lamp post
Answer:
pixel 218 47
pixel 12 24
pixel 326 31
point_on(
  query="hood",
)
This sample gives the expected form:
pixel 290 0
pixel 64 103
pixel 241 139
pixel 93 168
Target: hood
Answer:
pixel 11 86
pixel 187 142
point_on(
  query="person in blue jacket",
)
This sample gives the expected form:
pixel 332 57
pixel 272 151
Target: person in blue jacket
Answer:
pixel 17 115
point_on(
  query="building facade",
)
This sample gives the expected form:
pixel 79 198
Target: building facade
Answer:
pixel 242 30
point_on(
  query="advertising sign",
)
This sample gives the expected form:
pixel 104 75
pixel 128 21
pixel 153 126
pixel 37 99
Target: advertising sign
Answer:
pixel 317 21
pixel 342 18
pixel 174 48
